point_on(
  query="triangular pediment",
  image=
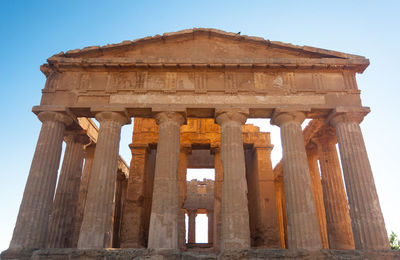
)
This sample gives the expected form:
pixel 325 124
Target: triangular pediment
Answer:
pixel 208 46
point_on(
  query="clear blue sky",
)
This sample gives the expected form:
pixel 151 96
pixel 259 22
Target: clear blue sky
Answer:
pixel 32 31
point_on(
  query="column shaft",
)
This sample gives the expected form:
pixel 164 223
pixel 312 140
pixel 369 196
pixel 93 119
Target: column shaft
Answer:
pixel 317 192
pixel 217 198
pixel 63 215
pixel 163 231
pixel 337 210
pixel 32 223
pixel 96 230
pixel 302 224
pixel 235 213
pixel 367 221
pixel 182 170
pixel 210 215
pixel 192 227
pixel 132 233
pixel 83 189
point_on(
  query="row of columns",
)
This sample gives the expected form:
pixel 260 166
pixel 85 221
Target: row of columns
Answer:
pixel 367 222
pixel 96 229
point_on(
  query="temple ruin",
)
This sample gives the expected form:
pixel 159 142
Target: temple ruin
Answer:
pixel 189 94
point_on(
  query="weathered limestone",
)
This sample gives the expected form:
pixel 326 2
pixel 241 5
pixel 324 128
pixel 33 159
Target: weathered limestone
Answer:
pixel 337 210
pixel 119 203
pixel 63 215
pixel 32 223
pixel 182 172
pixel 132 232
pixel 260 182
pixel 192 226
pixel 210 216
pixel 96 230
pixel 366 217
pixel 163 231
pixel 235 230
pixel 83 189
pixel 302 224
pixel 312 157
pixel 206 74
pixel 219 177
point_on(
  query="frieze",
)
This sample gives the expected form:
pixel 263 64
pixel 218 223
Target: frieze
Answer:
pixel 200 82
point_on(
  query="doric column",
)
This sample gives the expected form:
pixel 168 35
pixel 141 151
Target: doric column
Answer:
pixel 133 217
pixel 337 210
pixel 31 227
pixel 96 230
pixel 210 216
pixel 163 231
pixel 192 226
pixel 182 171
pixel 366 217
pixel 63 215
pixel 302 224
pixel 217 197
pixel 312 155
pixel 83 189
pixel 234 204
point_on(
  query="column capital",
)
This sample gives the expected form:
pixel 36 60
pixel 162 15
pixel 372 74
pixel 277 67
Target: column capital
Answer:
pixel 77 138
pixel 326 135
pixel 281 117
pixel 113 116
pixel 311 148
pixel 342 115
pixel 54 116
pixel 223 116
pixel 169 117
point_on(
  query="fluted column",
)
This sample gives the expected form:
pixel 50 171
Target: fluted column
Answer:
pixel 302 223
pixel 234 204
pixel 182 172
pixel 337 210
pixel 31 227
pixel 83 189
pixel 192 226
pixel 366 217
pixel 163 231
pixel 312 156
pixel 63 215
pixel 210 216
pixel 217 197
pixel 96 230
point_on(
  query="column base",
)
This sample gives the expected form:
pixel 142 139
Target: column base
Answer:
pixel 73 253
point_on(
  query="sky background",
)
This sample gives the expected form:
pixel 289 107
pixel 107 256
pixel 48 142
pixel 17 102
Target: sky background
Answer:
pixel 32 31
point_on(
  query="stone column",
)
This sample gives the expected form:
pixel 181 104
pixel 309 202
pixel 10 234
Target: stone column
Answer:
pixel 337 210
pixel 83 188
pixel 367 221
pixel 132 233
pixel 234 204
pixel 302 223
pixel 217 197
pixel 182 171
pixel 312 155
pixel 192 226
pixel 163 231
pixel 33 218
pixel 63 215
pixel 96 230
pixel 210 216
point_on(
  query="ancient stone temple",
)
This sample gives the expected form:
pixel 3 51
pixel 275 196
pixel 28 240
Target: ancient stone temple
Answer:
pixel 189 94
